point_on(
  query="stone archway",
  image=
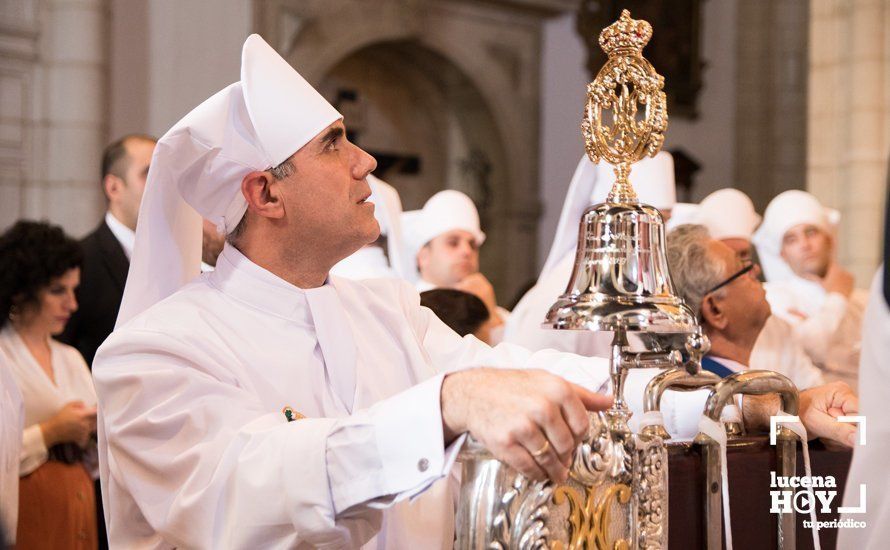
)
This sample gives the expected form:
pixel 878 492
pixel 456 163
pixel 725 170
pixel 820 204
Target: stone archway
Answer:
pixel 486 55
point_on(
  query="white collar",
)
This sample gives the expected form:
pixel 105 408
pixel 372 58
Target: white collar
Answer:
pixel 238 277
pixel 423 285
pixel 123 234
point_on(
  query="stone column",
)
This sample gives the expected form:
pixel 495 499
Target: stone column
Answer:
pixel 18 60
pixel 69 130
pixel 849 122
pixel 770 126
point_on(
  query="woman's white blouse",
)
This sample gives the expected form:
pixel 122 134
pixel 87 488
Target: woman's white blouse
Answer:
pixel 42 398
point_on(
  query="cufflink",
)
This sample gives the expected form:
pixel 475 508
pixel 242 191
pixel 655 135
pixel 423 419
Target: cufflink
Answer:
pixel 423 464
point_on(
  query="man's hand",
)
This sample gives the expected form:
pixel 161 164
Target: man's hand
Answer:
pixel 530 419
pixel 478 285
pixel 820 407
pixel 837 279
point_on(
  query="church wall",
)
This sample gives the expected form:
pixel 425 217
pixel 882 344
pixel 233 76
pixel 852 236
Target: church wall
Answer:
pixel 849 123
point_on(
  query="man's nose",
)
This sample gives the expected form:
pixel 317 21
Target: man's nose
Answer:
pixel 756 271
pixel 364 164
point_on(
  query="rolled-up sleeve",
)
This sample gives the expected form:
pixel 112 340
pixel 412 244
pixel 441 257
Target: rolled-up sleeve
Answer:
pixel 34 453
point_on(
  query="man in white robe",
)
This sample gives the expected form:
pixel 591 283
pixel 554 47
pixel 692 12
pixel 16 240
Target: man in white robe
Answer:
pixel 869 466
pixel 730 218
pixel 200 382
pixel 807 287
pixel 384 257
pixel 653 181
pixel 442 241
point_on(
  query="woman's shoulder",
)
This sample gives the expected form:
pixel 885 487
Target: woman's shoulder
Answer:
pixel 70 356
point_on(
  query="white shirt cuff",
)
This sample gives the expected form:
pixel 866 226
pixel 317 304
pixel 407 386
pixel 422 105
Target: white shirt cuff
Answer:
pixel 392 451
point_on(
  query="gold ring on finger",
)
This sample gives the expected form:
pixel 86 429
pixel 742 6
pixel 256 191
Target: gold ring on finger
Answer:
pixel 544 448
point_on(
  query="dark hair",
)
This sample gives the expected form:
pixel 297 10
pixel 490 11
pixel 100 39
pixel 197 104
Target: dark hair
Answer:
pixel 117 151
pixel 32 254
pixel 462 311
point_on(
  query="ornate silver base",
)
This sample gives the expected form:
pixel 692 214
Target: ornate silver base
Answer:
pixel 616 497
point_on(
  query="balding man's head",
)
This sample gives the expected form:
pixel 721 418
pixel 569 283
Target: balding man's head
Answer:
pixel 711 279
pixel 125 166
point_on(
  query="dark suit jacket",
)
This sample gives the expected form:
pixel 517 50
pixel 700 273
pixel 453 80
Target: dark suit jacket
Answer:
pixel 102 280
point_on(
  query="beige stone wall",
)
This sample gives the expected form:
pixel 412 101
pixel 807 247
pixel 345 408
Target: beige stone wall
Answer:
pixel 848 138
pixel 771 129
pixel 52 111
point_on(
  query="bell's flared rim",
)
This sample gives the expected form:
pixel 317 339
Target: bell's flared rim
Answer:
pixel 600 312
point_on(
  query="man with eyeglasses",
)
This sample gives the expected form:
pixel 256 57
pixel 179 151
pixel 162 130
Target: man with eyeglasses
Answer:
pixel 731 306
pixel 730 218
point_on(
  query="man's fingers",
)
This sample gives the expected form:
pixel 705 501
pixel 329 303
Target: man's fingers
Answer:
pixel 592 401
pixel 520 459
pixel 541 450
pixel 549 418
pixel 841 433
pixel 575 414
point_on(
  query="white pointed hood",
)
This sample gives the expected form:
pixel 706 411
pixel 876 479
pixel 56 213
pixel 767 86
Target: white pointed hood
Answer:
pixel 198 165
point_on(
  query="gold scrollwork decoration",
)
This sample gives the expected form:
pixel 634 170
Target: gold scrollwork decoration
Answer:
pixel 629 88
pixel 589 517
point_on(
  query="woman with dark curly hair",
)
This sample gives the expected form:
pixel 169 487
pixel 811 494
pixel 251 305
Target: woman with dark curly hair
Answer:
pixel 39 270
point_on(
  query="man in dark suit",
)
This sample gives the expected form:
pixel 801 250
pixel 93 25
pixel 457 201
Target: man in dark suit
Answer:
pixel 106 257
pixel 107 249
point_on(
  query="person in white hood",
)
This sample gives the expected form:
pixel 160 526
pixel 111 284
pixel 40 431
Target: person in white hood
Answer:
pixel 384 257
pixel 442 239
pixel 730 218
pixel 653 181
pixel 807 287
pixel 268 404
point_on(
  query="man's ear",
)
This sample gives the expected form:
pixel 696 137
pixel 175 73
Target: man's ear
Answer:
pixel 112 185
pixel 423 256
pixel 262 193
pixel 712 313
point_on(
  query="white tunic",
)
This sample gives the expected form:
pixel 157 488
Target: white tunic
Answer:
pixel 869 465
pixel 12 417
pixel 778 350
pixel 42 398
pixel 195 450
pixel 830 330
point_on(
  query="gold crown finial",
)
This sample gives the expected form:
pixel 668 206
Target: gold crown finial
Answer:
pixel 626 113
pixel 626 34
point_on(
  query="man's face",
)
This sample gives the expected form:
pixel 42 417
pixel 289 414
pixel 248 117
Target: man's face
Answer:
pixel 325 199
pixel 449 258
pixel 744 299
pixel 744 251
pixel 127 195
pixel 806 248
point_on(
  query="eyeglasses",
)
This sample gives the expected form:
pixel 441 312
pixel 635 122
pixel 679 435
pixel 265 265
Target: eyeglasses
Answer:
pixel 738 274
